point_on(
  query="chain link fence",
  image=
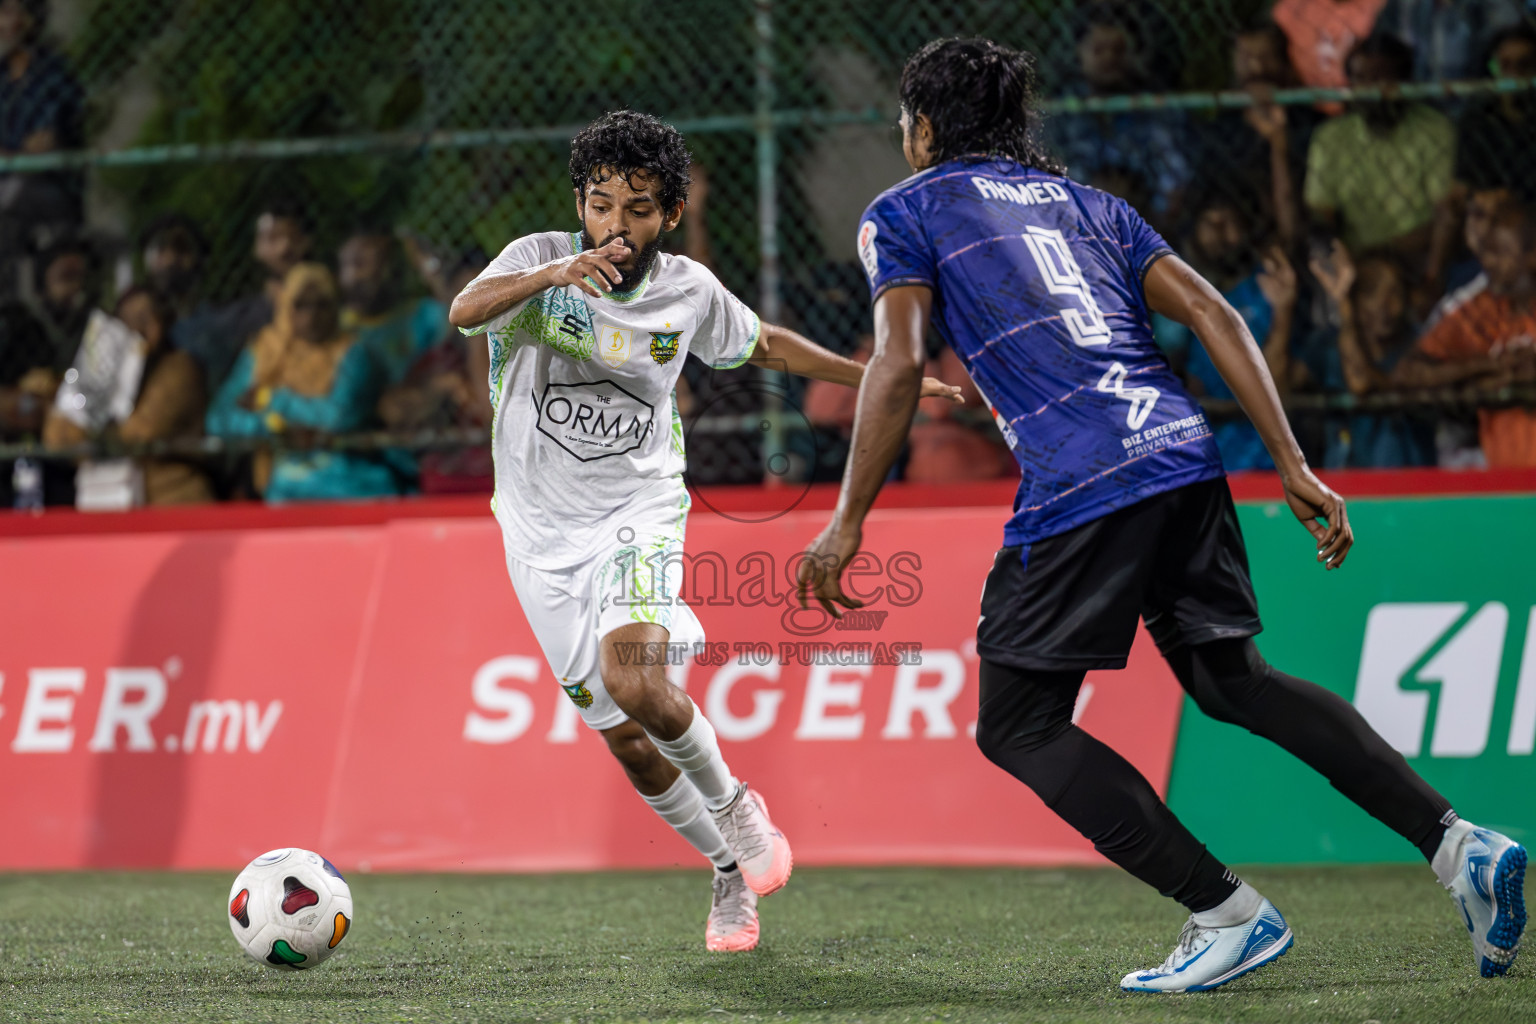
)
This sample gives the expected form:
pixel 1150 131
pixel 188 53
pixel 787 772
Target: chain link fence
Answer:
pixel 199 144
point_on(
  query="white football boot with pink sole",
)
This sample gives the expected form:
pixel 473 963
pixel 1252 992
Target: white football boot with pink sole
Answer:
pixel 732 925
pixel 762 853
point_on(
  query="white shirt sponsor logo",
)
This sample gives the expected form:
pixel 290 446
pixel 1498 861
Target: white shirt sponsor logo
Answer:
pixel 593 420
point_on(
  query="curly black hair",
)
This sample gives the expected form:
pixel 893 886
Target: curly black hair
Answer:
pixel 624 143
pixel 980 98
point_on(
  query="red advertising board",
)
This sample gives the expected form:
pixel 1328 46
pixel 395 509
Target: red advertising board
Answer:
pixel 172 700
pixel 190 698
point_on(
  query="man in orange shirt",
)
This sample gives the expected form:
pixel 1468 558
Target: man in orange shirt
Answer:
pixel 1322 33
pixel 1491 339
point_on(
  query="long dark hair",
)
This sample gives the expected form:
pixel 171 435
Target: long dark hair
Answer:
pixel 980 98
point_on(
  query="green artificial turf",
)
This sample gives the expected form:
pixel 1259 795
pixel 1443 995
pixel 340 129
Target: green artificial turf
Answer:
pixel 903 944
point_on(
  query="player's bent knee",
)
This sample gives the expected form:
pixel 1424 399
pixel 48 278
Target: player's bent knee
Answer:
pixel 623 688
pixel 638 755
pixel 1229 675
pixel 632 661
pixel 987 743
pixel 625 683
pixel 1017 752
pixel 1032 764
pixel 632 748
pixel 640 693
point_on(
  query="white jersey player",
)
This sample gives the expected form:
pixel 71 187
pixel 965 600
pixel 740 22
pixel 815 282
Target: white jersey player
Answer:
pixel 587 340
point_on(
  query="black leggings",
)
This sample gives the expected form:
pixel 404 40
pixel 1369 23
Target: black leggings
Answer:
pixel 1025 727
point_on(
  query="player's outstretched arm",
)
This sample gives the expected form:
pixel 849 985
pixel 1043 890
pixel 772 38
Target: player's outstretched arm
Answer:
pixel 887 401
pixel 491 295
pixel 780 348
pixel 1175 290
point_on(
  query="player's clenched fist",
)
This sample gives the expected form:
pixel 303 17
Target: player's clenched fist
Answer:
pixel 592 269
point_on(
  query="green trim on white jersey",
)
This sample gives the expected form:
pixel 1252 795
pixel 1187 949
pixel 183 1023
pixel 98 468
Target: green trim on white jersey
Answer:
pixel 757 332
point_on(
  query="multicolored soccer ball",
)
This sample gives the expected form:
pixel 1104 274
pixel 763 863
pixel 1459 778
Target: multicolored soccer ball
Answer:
pixel 290 909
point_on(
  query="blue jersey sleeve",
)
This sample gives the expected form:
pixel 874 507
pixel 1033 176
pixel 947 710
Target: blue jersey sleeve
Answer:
pixel 1143 246
pixel 893 247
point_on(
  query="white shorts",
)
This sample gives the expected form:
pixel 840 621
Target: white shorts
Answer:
pixel 637 579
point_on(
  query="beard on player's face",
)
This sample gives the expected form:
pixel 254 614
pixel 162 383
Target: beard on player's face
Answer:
pixel 633 269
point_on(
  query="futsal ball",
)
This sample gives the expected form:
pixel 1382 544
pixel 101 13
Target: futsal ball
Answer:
pixel 290 909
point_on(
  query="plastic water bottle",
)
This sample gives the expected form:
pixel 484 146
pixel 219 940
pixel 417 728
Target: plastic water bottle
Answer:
pixel 27 485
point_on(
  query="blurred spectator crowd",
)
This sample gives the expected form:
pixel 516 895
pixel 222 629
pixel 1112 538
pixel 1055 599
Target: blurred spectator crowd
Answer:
pixel 324 347
pixel 1375 248
pixel 1381 249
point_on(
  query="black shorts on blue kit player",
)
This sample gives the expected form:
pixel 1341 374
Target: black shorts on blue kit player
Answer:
pixel 1072 601
pixel 1123 513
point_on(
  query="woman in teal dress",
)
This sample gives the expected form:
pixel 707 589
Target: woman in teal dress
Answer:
pixel 302 378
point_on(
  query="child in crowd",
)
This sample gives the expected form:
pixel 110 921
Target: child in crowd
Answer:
pixel 1375 332
pixel 1490 339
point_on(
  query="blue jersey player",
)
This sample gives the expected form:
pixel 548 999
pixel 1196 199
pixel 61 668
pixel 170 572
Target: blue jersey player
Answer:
pixel 1045 289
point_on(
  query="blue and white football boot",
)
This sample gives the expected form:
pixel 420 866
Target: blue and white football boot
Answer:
pixel 1485 873
pixel 1206 958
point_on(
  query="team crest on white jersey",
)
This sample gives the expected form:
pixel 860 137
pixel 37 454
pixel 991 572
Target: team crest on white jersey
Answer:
pixel 867 251
pixel 579 694
pixel 664 346
pixel 613 344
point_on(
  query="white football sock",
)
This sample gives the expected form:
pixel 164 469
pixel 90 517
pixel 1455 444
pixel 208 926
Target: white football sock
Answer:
pixel 697 755
pixel 1234 910
pixel 683 809
pixel 1447 859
